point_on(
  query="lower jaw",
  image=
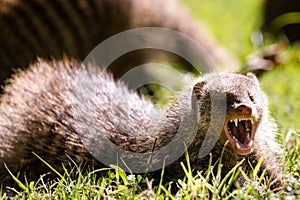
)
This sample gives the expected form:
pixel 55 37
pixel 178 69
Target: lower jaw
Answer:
pixel 232 144
pixel 244 151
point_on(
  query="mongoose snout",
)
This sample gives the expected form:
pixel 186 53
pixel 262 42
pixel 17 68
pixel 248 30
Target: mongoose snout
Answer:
pixel 240 132
pixel 240 127
pixel 244 110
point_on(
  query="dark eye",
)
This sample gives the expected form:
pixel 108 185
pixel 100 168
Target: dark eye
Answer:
pixel 251 98
pixel 231 98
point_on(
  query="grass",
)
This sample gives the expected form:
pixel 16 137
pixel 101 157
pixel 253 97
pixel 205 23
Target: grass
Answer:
pixel 233 24
pixel 116 184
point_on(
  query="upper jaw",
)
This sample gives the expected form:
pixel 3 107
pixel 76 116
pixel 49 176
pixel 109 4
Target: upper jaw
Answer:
pixel 240 132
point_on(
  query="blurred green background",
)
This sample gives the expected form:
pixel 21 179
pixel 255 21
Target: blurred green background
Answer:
pixel 234 23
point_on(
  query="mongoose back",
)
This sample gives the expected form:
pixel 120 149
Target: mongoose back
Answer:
pixel 37 115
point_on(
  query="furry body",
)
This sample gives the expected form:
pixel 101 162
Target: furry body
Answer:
pixel 37 115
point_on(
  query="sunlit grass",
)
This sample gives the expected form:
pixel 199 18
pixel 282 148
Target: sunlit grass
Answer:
pixel 114 183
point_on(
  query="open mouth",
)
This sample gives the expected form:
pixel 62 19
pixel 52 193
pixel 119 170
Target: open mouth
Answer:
pixel 240 132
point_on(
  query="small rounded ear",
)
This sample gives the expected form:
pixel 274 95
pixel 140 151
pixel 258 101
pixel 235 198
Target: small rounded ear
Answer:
pixel 253 77
pixel 198 89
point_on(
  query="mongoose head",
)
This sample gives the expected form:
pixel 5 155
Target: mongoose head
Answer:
pixel 246 106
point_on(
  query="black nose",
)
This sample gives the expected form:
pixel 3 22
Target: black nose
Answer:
pixel 244 110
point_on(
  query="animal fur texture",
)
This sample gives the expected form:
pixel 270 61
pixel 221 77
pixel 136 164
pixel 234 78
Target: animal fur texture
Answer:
pixel 51 29
pixel 38 106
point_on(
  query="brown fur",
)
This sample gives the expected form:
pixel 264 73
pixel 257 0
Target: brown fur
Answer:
pixel 36 116
pixel 50 29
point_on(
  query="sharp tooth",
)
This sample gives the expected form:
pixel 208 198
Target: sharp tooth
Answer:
pixel 236 122
pixel 251 121
pixel 250 143
pixel 238 146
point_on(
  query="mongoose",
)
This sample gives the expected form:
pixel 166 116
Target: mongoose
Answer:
pixel 41 111
pixel 51 29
